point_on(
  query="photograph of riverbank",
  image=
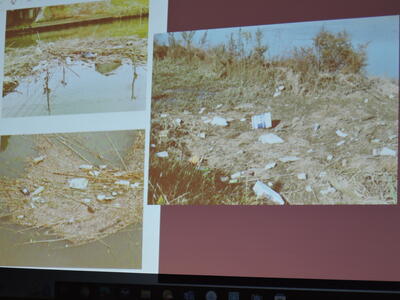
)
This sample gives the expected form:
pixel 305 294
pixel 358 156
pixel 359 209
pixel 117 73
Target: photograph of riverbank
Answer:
pixel 285 114
pixel 76 58
pixel 72 200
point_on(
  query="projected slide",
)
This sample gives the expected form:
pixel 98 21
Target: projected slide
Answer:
pixel 289 114
pixel 76 58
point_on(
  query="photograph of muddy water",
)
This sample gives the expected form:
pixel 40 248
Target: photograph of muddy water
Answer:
pixel 72 200
pixel 286 114
pixel 78 58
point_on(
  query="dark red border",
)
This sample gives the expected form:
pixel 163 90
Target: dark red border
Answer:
pixel 320 242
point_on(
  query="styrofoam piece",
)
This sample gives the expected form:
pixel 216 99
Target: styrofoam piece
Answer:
pixel 78 183
pixel 270 165
pixel 219 121
pixel 302 176
pixel 341 133
pixel 261 121
pixel 270 138
pixel 162 154
pixel 263 190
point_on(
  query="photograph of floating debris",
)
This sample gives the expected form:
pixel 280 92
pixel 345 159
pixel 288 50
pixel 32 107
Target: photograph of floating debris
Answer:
pixel 71 192
pixel 285 114
pixel 76 58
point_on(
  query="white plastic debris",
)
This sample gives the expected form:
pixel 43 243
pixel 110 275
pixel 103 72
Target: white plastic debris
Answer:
pixel 101 197
pixel 123 182
pixel 114 194
pixel 302 176
pixel 236 175
pixel 86 167
pixel 78 183
pixel 376 141
pixel 25 191
pixel 178 121
pixel 86 200
pixel 94 173
pixel 163 115
pixel 322 174
pixel 288 158
pixel 206 120
pixel 37 191
pixel 120 173
pixel 201 135
pixel 340 143
pixel 243 120
pixel 270 165
pixel 261 121
pixel 316 126
pixel 185 112
pixel 20 217
pixel 310 150
pixel 39 159
pixel 385 151
pixel 162 154
pixel 102 167
pixel 277 94
pixel 117 205
pixel 329 157
pixel 329 190
pixel 68 60
pixel 270 184
pixel 38 199
pixel 202 110
pixel 262 190
pixel 392 137
pixel 341 133
pixel 281 88
pixel 233 181
pixel 135 185
pixel 218 106
pixel 224 178
pixel 366 100
pixel 219 121
pixel 309 188
pixel 152 145
pixel 270 138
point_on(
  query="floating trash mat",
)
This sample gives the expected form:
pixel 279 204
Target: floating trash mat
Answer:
pixel 70 185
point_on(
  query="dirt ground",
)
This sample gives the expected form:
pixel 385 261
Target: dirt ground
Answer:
pixel 44 199
pixel 335 135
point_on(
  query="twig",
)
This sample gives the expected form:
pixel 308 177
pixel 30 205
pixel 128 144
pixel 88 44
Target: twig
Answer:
pixel 117 152
pixel 72 149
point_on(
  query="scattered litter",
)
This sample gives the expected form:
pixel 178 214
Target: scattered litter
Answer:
pixel 185 112
pixel 164 133
pixel 344 163
pixel 233 181
pixel 288 158
pixel 20 217
pixel 162 154
pixel 120 173
pixel 117 205
pixel 302 176
pixel 340 143
pixel 94 173
pixel 270 138
pixel 122 182
pixel 329 157
pixel 376 141
pixel 219 121
pixel 270 184
pixel 101 197
pixel 322 174
pixel 270 165
pixel 68 60
pixel 163 115
pixel 201 135
pixel 178 121
pixel 230 119
pixel 153 145
pixel 341 133
pixel 86 200
pixel 114 193
pixel 135 185
pixel 38 199
pixel 243 120
pixel 328 191
pixel 262 190
pixel 78 183
pixel 37 191
pixel 218 106
pixel 310 151
pixel 102 167
pixel 281 88
pixel 316 127
pixel 385 151
pixel 206 120
pixel 381 123
pixel 202 110
pixel 39 159
pixel 309 188
pixel 86 167
pixel 366 100
pixel 195 159
pixel 261 121
pixel 392 137
pixel 277 94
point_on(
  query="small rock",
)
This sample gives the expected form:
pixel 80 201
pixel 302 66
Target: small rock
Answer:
pixel 329 157
pixel 340 143
pixel 219 121
pixel 302 176
pixel 309 188
pixel 39 159
pixel 270 138
pixel 385 151
pixel 162 154
pixel 37 191
pixel 270 165
pixel 288 158
pixel 163 133
pixel 102 197
pixel 341 133
pixel 78 183
pixel 86 167
pixel 262 190
pixel 122 182
pixel 328 191
pixel 261 121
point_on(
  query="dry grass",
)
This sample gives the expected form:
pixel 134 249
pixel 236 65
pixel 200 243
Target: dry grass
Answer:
pixel 61 210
